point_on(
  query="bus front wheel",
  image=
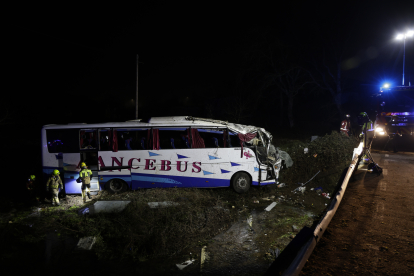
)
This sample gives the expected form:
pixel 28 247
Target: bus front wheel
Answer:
pixel 116 186
pixel 241 182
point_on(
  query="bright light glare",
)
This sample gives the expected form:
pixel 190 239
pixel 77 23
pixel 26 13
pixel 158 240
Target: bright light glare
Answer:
pixel 400 36
pixel 379 129
pixel 382 133
pixel 386 85
pixel 410 33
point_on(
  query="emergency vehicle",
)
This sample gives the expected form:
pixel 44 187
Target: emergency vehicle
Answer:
pixel 395 112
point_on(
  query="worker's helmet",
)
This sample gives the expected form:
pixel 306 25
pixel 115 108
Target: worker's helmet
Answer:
pixel 56 172
pixel 83 165
pixel 363 114
pixel 32 177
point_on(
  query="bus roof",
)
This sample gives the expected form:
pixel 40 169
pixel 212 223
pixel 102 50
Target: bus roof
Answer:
pixel 167 121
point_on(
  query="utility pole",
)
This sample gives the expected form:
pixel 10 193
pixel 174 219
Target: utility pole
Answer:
pixel 136 95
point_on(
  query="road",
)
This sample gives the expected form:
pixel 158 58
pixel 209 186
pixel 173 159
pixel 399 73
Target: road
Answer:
pixel 372 230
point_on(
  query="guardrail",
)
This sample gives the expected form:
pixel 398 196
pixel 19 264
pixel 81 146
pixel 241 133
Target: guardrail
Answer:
pixel 294 256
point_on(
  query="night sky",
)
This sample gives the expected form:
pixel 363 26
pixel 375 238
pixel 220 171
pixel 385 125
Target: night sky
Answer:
pixel 78 64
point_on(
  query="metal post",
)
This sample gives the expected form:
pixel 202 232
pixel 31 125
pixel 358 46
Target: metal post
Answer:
pixel 136 95
pixel 403 62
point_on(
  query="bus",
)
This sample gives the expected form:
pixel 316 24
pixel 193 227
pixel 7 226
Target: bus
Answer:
pixel 161 152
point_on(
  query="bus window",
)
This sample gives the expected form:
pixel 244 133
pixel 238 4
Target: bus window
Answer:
pixel 213 138
pixel 88 139
pixel 173 138
pixel 234 140
pixel 133 139
pixel 62 140
pixel 105 140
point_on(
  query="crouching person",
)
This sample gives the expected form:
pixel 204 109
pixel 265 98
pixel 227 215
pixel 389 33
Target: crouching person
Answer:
pixel 85 175
pixel 53 184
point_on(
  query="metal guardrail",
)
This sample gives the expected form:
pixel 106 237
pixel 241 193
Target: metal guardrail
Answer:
pixel 294 256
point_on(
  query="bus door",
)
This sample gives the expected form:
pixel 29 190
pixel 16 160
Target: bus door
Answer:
pixel 71 170
pixel 89 146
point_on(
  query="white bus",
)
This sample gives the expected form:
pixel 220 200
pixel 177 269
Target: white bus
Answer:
pixel 161 152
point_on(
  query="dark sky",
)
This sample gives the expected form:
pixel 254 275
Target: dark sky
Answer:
pixel 84 57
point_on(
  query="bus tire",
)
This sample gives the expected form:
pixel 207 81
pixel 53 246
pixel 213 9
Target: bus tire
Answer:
pixel 116 186
pixel 241 182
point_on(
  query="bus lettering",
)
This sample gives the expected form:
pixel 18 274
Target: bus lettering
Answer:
pixel 130 163
pixel 195 166
pixel 179 166
pixel 165 165
pixel 149 165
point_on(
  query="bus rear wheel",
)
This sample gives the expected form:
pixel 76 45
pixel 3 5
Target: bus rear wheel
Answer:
pixel 241 182
pixel 116 186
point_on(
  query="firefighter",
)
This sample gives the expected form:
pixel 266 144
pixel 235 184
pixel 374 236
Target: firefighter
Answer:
pixel 32 189
pixel 53 184
pixel 85 175
pixel 368 130
pixel 346 126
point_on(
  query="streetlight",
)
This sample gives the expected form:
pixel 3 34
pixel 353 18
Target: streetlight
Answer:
pixel 404 37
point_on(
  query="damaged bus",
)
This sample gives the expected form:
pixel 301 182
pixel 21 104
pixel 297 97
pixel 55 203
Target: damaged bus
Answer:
pixel 161 152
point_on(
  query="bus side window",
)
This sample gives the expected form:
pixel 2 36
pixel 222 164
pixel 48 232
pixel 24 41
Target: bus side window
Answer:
pixel 88 139
pixel 234 140
pixel 173 138
pixel 104 140
pixel 213 138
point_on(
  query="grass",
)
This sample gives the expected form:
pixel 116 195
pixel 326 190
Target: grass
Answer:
pixel 140 233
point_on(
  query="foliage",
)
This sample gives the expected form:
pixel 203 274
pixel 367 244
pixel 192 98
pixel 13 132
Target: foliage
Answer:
pixel 329 154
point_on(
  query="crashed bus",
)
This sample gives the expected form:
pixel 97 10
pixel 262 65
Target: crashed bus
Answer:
pixel 161 152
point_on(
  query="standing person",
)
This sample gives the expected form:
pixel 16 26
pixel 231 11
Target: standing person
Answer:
pixel 85 175
pixel 32 189
pixel 346 126
pixel 53 184
pixel 368 131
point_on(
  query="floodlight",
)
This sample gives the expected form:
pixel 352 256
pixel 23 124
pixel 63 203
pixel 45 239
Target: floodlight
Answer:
pixel 400 36
pixel 386 85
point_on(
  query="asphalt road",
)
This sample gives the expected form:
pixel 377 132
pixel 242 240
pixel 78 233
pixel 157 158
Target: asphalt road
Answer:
pixel 372 230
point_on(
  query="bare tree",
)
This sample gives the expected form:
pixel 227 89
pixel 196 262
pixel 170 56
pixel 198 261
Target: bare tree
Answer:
pixel 290 83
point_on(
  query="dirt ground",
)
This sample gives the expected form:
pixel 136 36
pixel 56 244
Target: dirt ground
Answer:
pixel 372 230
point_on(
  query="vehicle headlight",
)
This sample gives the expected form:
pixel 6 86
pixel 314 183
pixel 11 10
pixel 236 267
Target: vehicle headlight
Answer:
pixel 379 129
pixel 381 132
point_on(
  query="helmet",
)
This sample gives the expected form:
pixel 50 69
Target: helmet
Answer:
pixel 56 172
pixel 82 165
pixel 32 177
pixel 363 114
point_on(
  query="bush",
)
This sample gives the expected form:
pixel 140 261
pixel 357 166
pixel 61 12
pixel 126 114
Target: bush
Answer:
pixel 329 154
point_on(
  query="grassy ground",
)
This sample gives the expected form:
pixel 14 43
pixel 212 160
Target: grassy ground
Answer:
pixel 140 234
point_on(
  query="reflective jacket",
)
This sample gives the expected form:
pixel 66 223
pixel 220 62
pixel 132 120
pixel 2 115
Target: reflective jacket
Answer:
pixel 85 175
pixel 54 182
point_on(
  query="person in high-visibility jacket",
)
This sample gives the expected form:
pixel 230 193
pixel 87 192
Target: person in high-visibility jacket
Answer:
pixel 85 175
pixel 368 130
pixel 53 184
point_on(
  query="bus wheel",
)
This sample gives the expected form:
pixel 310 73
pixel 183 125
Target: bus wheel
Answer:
pixel 116 186
pixel 241 182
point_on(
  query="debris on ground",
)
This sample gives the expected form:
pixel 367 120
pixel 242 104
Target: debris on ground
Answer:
pixel 185 264
pixel 86 243
pixel 163 204
pixel 270 207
